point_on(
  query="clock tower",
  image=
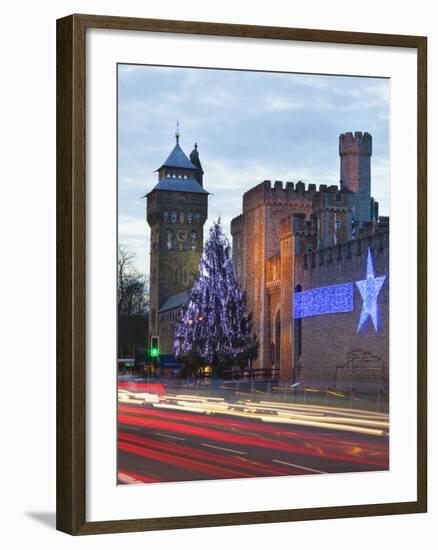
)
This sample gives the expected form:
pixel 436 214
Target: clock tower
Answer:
pixel 176 210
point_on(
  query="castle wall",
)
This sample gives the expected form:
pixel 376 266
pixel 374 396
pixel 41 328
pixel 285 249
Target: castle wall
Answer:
pixel 274 312
pixel 238 254
pixel 334 352
pixel 287 275
pixel 256 239
pixel 254 259
pixel 291 237
pixel 333 210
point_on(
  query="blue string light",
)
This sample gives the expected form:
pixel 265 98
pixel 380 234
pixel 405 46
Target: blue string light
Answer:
pixel 323 300
pixel 340 298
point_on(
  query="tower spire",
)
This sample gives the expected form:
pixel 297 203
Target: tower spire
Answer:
pixel 194 159
pixel 177 131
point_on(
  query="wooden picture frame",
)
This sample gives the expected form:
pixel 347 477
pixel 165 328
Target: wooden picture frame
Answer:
pixel 71 273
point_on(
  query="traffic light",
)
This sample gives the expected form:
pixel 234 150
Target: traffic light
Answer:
pixel 155 346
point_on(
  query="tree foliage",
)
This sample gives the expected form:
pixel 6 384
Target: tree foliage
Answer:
pixel 132 304
pixel 215 328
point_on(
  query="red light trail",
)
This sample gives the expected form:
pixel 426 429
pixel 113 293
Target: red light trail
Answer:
pixel 171 445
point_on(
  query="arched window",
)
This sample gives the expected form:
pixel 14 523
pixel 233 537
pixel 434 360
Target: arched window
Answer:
pixel 181 217
pixel 165 216
pixel 169 239
pixel 193 239
pixel 173 217
pixel 189 217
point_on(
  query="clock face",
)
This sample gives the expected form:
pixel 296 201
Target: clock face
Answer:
pixel 181 234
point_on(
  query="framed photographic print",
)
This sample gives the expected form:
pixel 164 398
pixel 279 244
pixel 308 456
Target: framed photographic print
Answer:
pixel 241 244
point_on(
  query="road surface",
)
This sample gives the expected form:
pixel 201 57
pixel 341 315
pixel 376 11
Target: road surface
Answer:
pixel 182 438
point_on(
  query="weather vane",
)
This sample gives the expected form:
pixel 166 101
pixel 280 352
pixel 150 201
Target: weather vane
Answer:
pixel 177 131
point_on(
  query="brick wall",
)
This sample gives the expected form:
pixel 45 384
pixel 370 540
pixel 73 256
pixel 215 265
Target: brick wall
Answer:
pixel 256 239
pixel 331 342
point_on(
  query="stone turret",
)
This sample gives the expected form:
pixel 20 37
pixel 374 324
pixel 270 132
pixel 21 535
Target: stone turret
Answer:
pixel 355 151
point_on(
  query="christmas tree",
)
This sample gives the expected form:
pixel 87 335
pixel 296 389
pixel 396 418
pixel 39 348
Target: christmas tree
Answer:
pixel 215 329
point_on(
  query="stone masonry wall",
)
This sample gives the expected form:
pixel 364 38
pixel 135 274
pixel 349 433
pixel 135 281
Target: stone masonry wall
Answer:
pixel 256 239
pixel 334 352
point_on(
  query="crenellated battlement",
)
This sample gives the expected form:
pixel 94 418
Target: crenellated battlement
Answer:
pixel 299 225
pixel 237 224
pixel 332 197
pixel 347 251
pixel 355 144
pixel 284 193
pixel 295 194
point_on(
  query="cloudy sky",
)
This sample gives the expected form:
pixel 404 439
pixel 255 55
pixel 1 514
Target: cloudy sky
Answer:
pixel 249 126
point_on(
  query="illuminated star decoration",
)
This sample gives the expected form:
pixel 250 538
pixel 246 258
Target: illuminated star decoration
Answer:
pixel 369 290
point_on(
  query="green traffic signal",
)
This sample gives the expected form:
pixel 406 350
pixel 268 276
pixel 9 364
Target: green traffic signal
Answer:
pixel 155 347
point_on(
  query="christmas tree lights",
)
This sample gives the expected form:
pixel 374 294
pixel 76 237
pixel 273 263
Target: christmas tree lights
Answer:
pixel 215 329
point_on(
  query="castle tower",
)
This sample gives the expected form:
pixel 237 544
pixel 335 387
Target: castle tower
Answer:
pixel 287 246
pixel 355 152
pixel 176 211
pixel 333 210
pixel 255 242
